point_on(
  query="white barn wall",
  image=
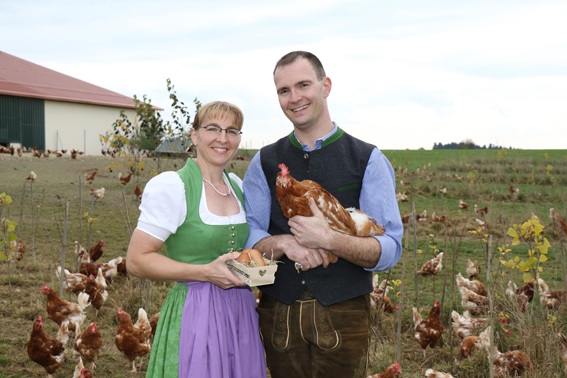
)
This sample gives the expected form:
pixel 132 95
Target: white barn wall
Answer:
pixel 73 119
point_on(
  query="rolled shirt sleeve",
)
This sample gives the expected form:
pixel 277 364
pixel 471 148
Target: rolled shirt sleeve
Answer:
pixel 258 202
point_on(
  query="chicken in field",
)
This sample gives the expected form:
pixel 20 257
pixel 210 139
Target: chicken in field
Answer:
pixel 512 363
pixel 122 268
pixel 89 177
pixel 138 192
pixel 21 249
pixel 378 298
pixel 406 218
pixel 563 341
pixel 155 318
pixel 481 212
pixel 32 177
pixel 469 344
pixel 430 373
pixel 482 224
pixel 60 310
pixel 78 368
pixel 471 301
pixel 47 352
pixel 109 270
pixel 293 197
pixel 86 373
pixel 563 225
pixel 98 193
pixel 432 267
pixel 96 250
pixel 87 344
pixel 133 340
pixel 473 269
pixel 73 282
pixel 476 286
pixel 97 293
pixel 74 154
pixel 443 191
pixel 463 205
pixel 436 219
pixel 550 298
pixel 465 325
pixel 421 217
pixel 514 191
pixel 124 179
pixel 393 371
pixel 554 214
pixel 428 330
pixel 523 296
pixel 402 197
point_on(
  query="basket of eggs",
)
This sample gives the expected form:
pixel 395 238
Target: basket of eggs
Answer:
pixel 253 268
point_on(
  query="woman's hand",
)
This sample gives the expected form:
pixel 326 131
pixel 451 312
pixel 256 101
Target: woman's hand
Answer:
pixel 218 273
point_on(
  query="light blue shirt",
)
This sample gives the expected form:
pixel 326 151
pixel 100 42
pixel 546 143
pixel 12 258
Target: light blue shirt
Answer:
pixel 377 199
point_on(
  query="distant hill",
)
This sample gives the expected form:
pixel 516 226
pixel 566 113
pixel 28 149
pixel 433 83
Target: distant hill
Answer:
pixel 467 145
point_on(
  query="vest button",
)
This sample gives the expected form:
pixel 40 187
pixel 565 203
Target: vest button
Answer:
pixel 233 235
pixel 303 282
pixel 232 228
pixel 306 156
pixel 232 242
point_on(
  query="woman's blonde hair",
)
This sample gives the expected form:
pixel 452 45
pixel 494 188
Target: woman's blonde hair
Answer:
pixel 218 109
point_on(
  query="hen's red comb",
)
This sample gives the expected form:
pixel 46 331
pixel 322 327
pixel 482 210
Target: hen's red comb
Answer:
pixel 284 169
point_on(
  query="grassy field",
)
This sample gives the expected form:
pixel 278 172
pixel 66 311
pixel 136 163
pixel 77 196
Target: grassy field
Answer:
pixel 480 177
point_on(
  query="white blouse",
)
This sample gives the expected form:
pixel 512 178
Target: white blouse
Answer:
pixel 164 206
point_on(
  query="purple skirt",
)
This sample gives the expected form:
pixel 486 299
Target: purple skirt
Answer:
pixel 220 336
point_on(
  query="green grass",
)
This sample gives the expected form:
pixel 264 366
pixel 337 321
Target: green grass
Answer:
pixel 483 177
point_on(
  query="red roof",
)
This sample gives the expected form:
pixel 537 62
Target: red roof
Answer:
pixel 21 78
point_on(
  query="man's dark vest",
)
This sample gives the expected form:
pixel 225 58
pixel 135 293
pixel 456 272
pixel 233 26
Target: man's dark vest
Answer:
pixel 338 167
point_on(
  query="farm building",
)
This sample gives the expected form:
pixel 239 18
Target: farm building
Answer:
pixel 47 109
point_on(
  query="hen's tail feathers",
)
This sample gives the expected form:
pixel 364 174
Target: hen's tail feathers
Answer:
pixel 63 333
pixel 83 299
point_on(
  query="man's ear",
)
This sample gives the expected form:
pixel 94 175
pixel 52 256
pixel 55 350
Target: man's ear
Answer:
pixel 327 86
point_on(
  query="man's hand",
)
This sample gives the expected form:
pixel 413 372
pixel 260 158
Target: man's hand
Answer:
pixel 309 258
pixel 311 232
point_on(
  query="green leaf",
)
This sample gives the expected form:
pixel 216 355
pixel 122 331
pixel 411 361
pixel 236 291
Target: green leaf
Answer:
pixel 543 258
pixel 527 278
pixel 11 228
pixel 512 233
pixel 12 237
pixel 2 256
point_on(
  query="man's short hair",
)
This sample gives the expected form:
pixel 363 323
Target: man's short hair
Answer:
pixel 294 55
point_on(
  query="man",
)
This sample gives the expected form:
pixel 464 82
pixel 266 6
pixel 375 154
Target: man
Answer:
pixel 315 321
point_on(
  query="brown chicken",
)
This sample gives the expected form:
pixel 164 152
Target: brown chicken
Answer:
pixel 471 301
pixel 473 269
pixel 514 191
pixel 96 250
pixel 402 197
pixel 554 214
pixel 89 177
pixel 378 298
pixel 60 310
pixel 293 197
pixel 476 286
pixel 430 373
pixel 138 192
pixel 563 341
pixel 428 330
pixel 438 219
pixel 98 193
pixel 393 371
pixel 133 339
pixel 512 363
pixel 109 270
pixel 481 211
pixel 97 293
pixel 154 321
pixel 85 373
pixel 405 218
pixel 122 268
pixel 74 154
pixel 124 179
pixel 47 352
pixel 522 295
pixel 421 217
pixel 32 177
pixel 73 282
pixel 469 344
pixel 88 344
pixel 21 250
pixel 78 368
pixel 466 326
pixel 550 298
pixel 432 267
pixel 563 225
pixel 463 205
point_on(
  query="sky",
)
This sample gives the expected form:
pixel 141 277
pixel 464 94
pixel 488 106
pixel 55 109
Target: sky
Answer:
pixel 405 74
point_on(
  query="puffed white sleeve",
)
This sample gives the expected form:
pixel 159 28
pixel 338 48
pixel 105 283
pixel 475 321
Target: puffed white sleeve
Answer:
pixel 164 206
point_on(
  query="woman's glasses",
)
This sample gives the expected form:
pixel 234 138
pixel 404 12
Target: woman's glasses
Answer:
pixel 231 132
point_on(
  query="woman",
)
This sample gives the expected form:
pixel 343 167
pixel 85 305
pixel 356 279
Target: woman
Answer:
pixel 208 326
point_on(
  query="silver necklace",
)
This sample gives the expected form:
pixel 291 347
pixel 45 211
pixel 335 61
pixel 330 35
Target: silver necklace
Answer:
pixel 216 190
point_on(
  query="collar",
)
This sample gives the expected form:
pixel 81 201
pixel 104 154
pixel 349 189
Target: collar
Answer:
pixel 318 142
